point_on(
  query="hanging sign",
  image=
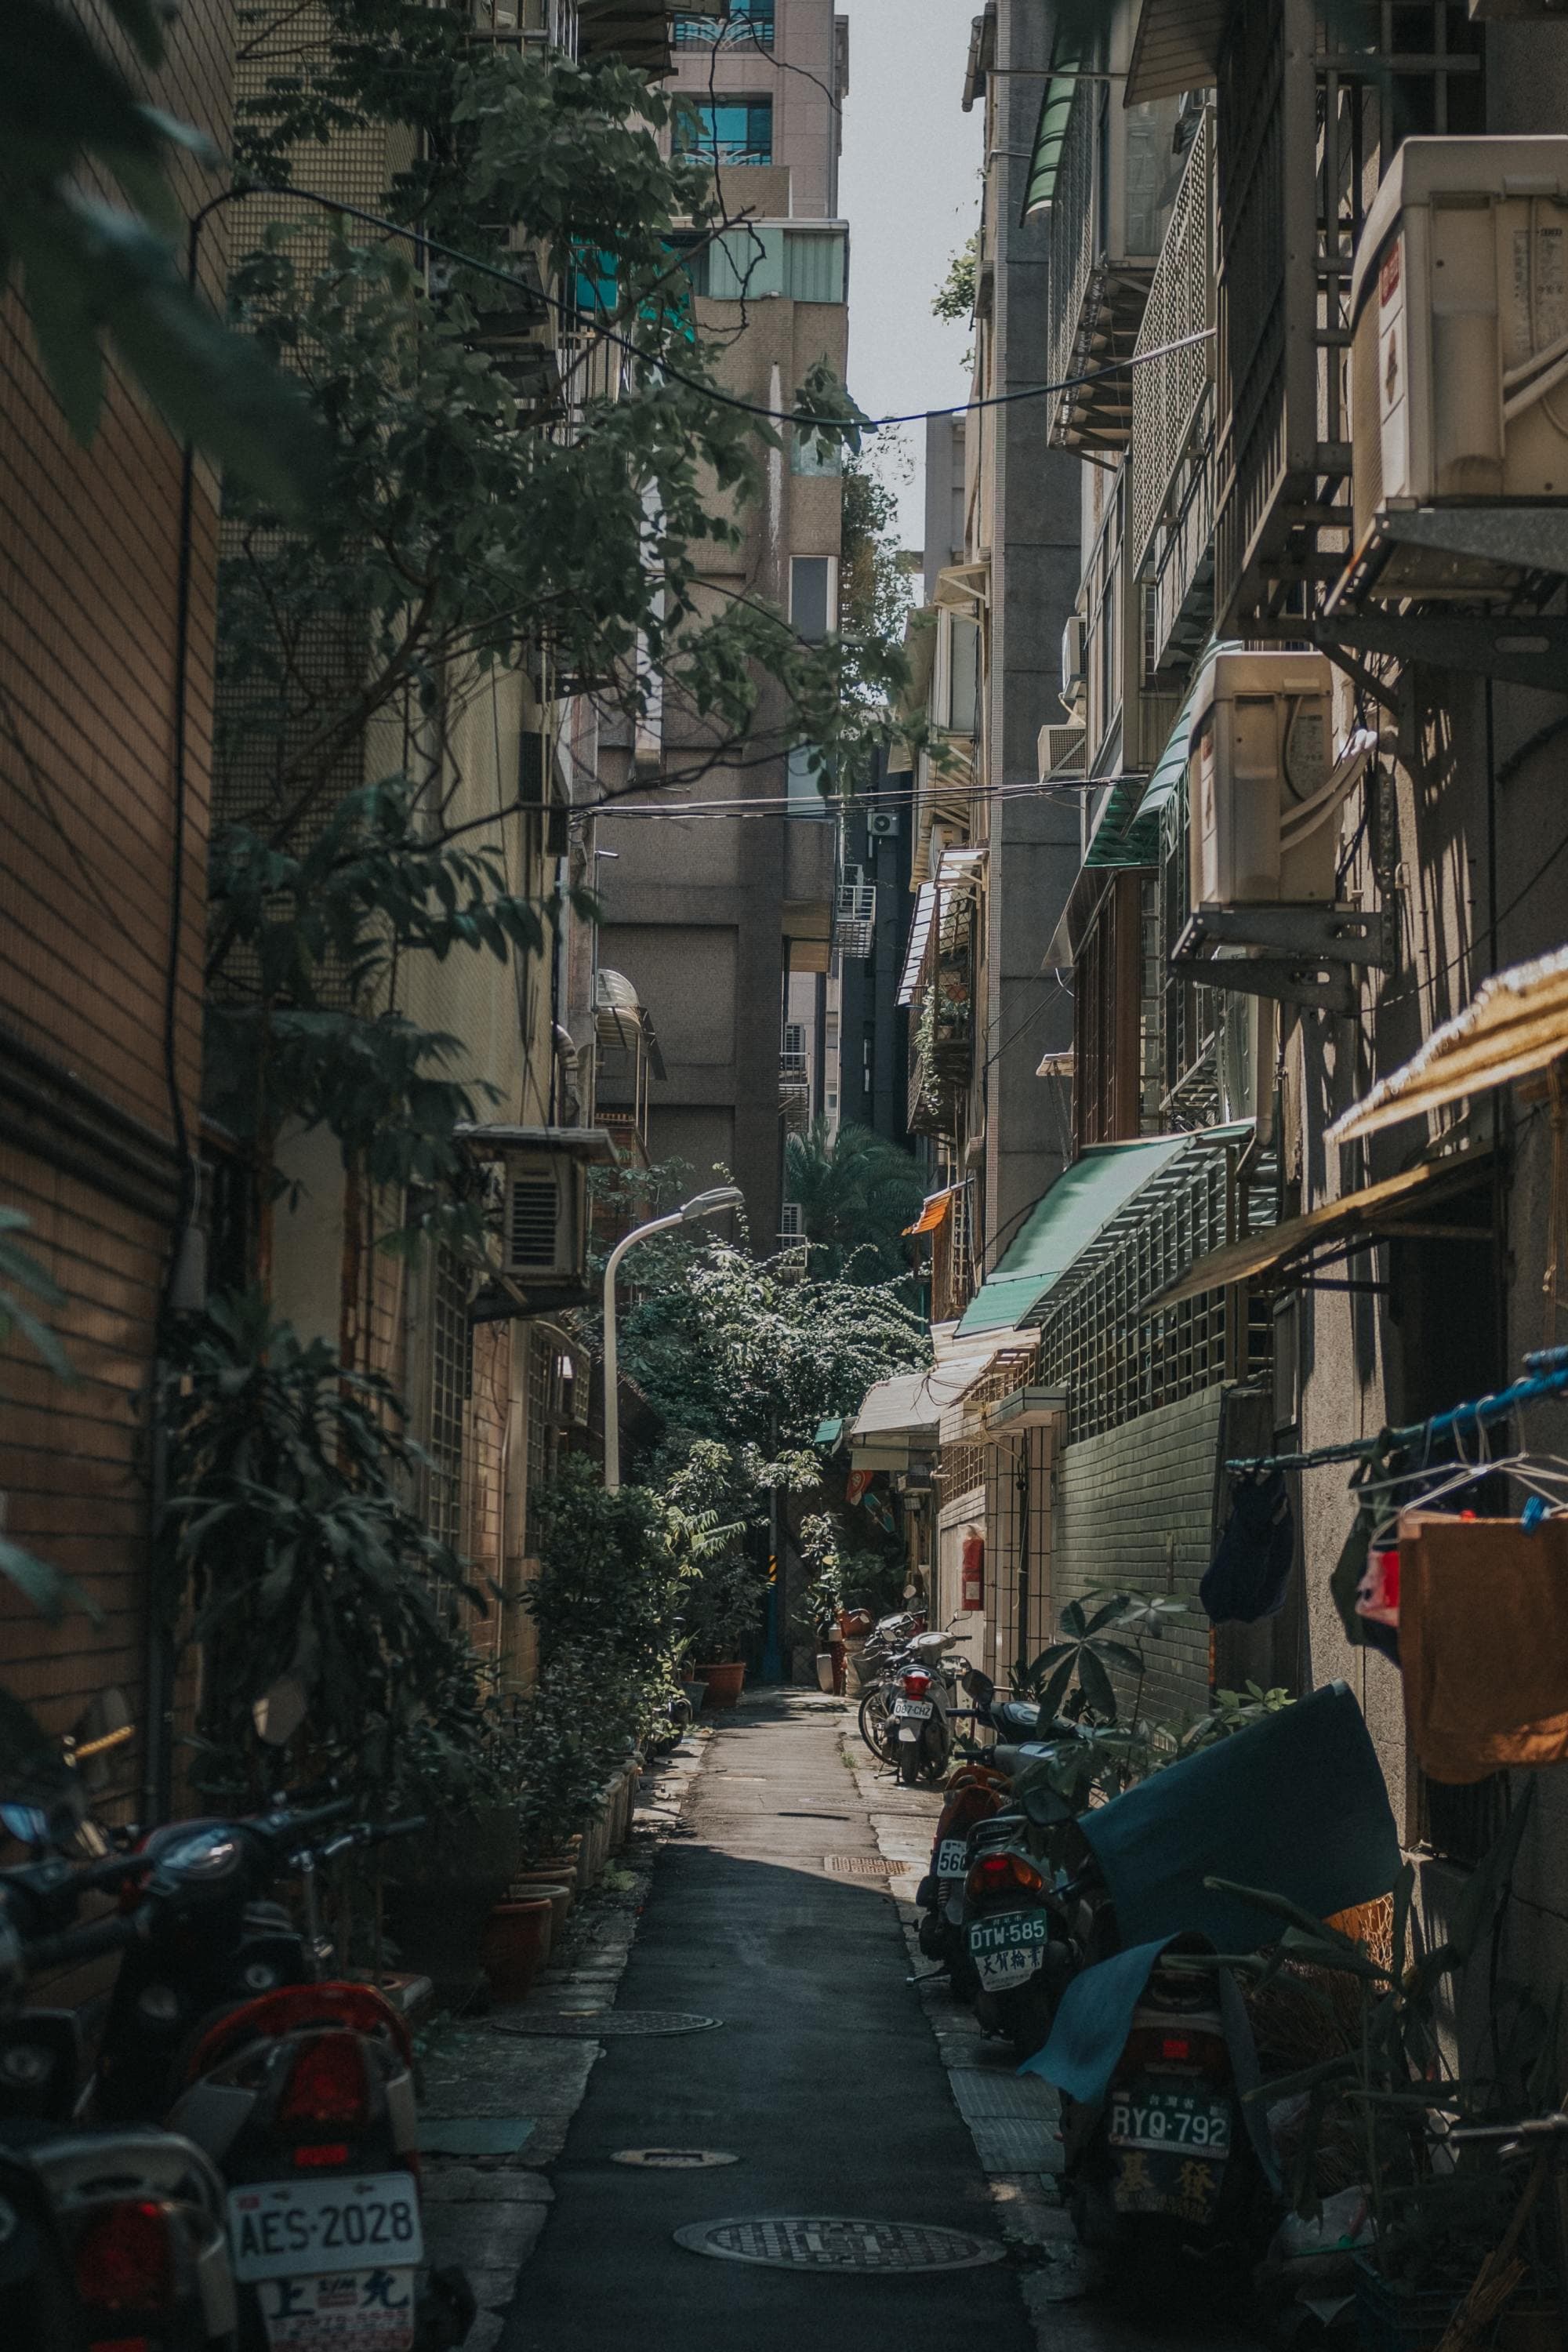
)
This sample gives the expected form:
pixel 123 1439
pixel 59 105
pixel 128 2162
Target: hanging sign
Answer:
pixel 971 1571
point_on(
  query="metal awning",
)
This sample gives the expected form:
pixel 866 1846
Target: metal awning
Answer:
pixel 1062 1223
pixel 1517 1023
pixel 487 1142
pixel 1171 766
pixel 908 1407
pixel 920 933
pixel 932 1214
pixel 1375 1209
pixel 962 585
pixel 1068 55
pixel 1177 47
pixel 1123 835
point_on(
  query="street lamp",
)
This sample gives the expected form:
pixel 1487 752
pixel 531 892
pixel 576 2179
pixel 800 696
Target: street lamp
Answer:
pixel 702 1204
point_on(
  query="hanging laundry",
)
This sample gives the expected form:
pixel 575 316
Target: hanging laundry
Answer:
pixel 1250 1572
pixel 1349 1576
pixel 1483 1636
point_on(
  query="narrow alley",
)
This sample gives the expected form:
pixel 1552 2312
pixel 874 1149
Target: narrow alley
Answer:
pixel 827 2088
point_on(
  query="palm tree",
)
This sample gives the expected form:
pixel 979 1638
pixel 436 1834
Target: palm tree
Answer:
pixel 856 1192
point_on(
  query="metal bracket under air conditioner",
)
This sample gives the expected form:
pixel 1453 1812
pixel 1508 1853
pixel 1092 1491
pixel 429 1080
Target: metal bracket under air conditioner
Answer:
pixel 1304 942
pixel 1389 602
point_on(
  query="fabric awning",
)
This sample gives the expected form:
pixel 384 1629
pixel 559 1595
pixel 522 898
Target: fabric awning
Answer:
pixel 1061 1224
pixel 920 933
pixel 1177 47
pixel 1375 1207
pixel 1051 130
pixel 1517 1023
pixel 932 1215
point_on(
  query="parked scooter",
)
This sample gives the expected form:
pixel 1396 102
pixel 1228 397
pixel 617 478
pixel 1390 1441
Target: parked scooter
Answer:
pixel 109 2236
pixel 299 2088
pixel 1165 2177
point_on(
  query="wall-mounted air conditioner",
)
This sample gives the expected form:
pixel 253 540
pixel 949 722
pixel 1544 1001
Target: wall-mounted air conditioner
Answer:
pixel 1459 336
pixel 1061 752
pixel 1259 750
pixel 1075 673
pixel 882 825
pixel 542 1220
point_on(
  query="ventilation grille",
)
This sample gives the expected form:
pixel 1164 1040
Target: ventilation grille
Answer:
pixel 531 1229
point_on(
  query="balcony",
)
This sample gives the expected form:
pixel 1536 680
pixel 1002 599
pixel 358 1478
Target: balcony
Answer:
pixel 1110 175
pixel 1170 519
pixel 855 919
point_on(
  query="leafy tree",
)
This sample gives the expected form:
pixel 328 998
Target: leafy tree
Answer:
pixel 954 297
pixel 68 110
pixel 856 1192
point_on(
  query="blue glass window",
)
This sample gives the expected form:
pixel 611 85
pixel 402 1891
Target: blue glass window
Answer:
pixel 730 130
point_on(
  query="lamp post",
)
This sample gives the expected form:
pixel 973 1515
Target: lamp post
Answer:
pixel 702 1204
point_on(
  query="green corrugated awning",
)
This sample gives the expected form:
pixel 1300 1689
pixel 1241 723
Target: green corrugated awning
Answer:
pixel 1050 134
pixel 1061 1224
pixel 1121 837
pixel 1167 771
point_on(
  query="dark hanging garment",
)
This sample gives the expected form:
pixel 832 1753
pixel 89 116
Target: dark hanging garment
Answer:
pixel 1250 1573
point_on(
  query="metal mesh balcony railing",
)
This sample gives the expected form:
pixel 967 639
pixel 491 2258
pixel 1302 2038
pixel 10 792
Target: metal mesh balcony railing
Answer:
pixel 1168 393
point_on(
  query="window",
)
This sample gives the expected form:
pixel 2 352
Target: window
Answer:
pixel 808 783
pixel 810 455
pixel 811 597
pixel 790 1227
pixel 451 1356
pixel 729 129
pixel 749 25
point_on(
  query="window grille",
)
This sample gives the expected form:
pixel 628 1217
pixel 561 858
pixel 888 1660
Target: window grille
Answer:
pixel 534 1209
pixel 1097 1342
pixel 749 25
pixel 854 917
pixel 451 1386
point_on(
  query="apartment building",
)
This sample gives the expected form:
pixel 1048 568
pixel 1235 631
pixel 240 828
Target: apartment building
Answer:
pixel 721 922
pixel 106 669
pixel 1311 727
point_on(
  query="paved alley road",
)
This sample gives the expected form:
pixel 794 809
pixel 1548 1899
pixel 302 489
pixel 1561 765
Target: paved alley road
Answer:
pixel 824 2080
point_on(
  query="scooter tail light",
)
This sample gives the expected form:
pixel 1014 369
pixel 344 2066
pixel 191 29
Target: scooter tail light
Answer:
pixel 916 1685
pixel 1005 1873
pixel 125 2259
pixel 327 2085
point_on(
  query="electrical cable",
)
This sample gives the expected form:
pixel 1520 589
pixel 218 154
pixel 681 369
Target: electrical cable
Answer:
pixel 819 421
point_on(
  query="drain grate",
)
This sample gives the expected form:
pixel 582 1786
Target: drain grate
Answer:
pixel 674 2160
pixel 856 1865
pixel 604 2025
pixel 831 2242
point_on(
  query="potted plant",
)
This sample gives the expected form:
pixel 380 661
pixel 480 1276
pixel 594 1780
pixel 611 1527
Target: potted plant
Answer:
pixel 723 1608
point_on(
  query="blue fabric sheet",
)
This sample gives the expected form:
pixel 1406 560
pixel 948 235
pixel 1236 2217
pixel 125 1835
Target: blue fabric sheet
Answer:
pixel 1296 1805
pixel 1091 2026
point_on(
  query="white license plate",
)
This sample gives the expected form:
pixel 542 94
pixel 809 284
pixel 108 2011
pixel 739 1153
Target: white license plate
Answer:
pixel 291 2229
pixel 1008 1951
pixel 343 2311
pixel 1188 2120
pixel 912 1710
pixel 950 1858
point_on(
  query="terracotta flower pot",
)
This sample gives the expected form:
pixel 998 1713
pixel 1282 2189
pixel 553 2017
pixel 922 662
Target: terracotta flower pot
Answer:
pixel 516 1945
pixel 533 1885
pixel 725 1682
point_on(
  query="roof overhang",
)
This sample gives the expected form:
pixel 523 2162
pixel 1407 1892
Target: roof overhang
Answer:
pixel 1516 1025
pixel 1375 1212
pixel 1177 47
pixel 567 1142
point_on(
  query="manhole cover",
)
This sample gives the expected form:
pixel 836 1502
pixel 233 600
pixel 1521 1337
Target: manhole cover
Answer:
pixel 674 2160
pixel 607 2025
pixel 831 2242
pixel 856 1865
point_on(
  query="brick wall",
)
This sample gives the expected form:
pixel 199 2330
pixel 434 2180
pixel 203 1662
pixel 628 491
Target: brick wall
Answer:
pixel 1134 1509
pixel 89 573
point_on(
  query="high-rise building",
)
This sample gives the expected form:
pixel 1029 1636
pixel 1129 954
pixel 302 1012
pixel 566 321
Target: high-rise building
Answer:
pixel 711 917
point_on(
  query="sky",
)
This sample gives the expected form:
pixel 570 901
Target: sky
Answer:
pixel 909 186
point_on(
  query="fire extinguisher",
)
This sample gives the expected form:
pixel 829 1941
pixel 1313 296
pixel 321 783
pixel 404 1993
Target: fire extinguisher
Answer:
pixel 972 1571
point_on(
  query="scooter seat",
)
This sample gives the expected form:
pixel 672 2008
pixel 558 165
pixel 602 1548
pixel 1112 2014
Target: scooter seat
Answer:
pixel 1017 1718
pixel 1012 1760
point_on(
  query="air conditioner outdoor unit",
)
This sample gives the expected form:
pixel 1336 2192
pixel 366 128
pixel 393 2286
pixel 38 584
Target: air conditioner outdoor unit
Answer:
pixel 542 1226
pixel 1075 675
pixel 1061 752
pixel 1259 748
pixel 882 825
pixel 1459 343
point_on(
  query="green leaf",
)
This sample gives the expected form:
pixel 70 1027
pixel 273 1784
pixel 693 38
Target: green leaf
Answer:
pixel 50 1591
pixel 1096 1685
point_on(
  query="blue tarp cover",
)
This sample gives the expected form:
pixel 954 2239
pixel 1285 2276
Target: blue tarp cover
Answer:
pixel 1295 1805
